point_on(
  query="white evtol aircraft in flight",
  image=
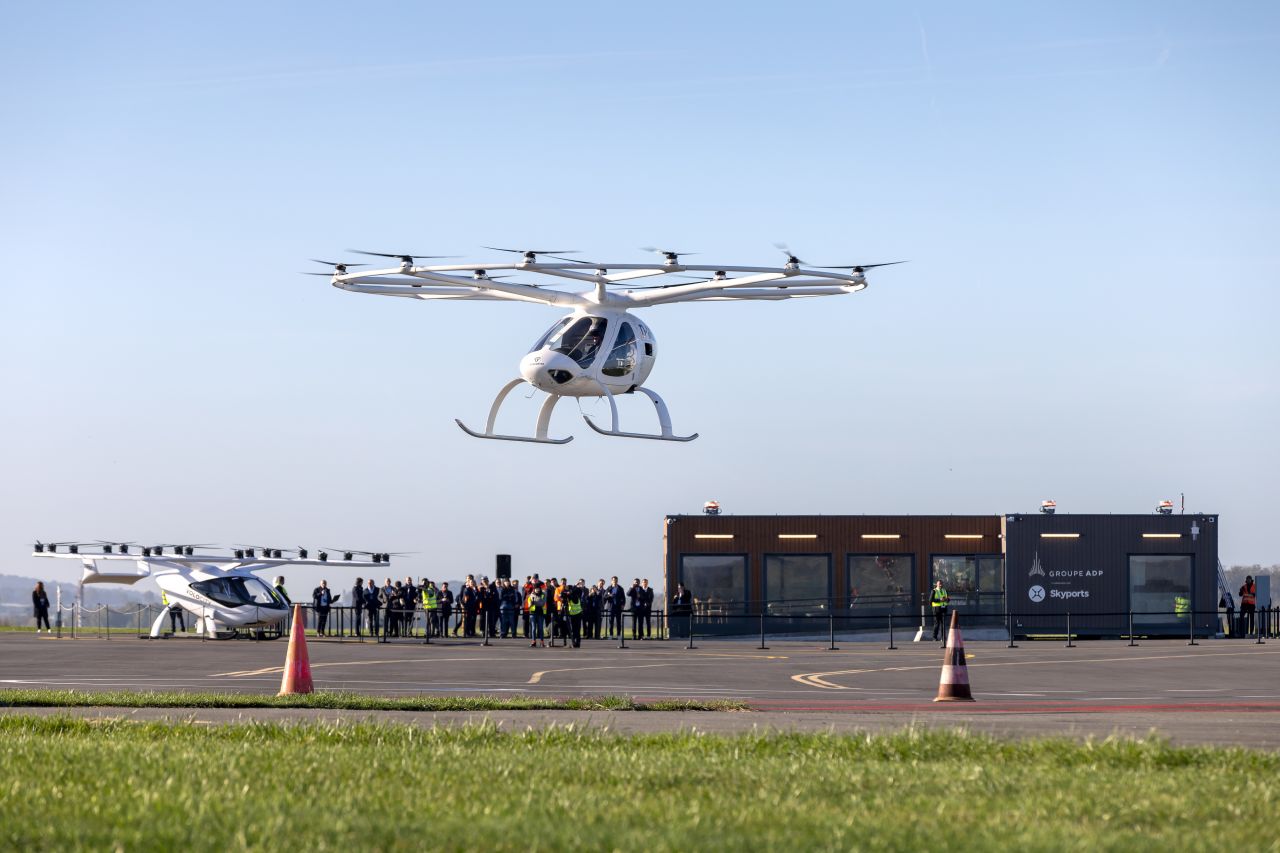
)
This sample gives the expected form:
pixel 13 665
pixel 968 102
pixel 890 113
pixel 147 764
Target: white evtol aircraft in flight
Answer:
pixel 220 591
pixel 600 348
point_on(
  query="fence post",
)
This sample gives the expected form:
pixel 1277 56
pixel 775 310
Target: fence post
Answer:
pixel 1008 620
pixel 1191 617
pixel 831 629
pixel 762 645
pixel 622 631
pixel 1258 623
pixel 891 645
pixel 690 646
pixel 1131 642
pixel 1070 645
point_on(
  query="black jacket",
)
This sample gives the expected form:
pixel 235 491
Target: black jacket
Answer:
pixel 357 597
pixel 322 598
pixel 40 602
pixel 636 594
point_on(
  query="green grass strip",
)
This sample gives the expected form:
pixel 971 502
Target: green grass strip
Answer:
pixel 344 701
pixel 75 784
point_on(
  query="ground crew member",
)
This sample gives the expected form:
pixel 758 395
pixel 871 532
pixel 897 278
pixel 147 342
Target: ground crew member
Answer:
pixel 279 587
pixel 1248 604
pixel 431 607
pixel 940 600
pixel 176 614
pixel 536 604
pixel 573 606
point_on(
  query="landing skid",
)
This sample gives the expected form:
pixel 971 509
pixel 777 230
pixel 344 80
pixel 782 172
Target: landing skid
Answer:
pixel 544 420
pixel 664 420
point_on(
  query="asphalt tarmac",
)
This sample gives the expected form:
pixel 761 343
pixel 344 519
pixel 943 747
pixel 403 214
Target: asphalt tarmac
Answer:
pixel 1220 691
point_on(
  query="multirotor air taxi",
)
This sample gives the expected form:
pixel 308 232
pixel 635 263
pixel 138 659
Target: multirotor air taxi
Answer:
pixel 220 591
pixel 600 348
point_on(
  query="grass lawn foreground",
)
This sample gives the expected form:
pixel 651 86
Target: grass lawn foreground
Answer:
pixel 68 783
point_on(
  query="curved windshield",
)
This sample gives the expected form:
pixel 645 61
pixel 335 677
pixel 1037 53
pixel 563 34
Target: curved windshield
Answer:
pixel 546 336
pixel 581 340
pixel 237 592
pixel 622 358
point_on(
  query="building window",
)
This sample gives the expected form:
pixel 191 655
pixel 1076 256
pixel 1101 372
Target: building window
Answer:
pixel 1160 589
pixel 880 583
pixel 974 581
pixel 717 582
pixel 797 584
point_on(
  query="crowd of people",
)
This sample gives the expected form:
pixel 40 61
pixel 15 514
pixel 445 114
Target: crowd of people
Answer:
pixel 537 610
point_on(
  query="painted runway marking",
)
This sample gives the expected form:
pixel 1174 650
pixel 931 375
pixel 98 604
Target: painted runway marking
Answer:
pixel 818 679
pixel 537 676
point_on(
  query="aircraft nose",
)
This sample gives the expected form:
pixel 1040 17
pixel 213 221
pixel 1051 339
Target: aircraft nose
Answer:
pixel 547 370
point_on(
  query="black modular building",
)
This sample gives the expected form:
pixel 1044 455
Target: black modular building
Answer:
pixel 1161 571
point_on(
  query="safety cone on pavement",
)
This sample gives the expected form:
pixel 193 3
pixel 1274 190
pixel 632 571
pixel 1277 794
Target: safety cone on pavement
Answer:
pixel 297 667
pixel 953 686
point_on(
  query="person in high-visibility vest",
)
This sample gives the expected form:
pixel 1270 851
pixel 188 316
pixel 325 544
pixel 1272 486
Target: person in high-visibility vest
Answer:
pixel 1181 606
pixel 431 607
pixel 940 600
pixel 1248 604
pixel 176 613
pixel 572 598
pixel 536 603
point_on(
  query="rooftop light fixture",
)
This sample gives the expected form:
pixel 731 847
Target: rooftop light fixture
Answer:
pixel 1162 536
pixel 797 536
pixel 1059 535
pixel 713 536
pixel 962 536
pixel 882 536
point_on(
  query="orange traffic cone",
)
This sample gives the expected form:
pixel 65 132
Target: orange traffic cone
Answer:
pixel 297 668
pixel 954 684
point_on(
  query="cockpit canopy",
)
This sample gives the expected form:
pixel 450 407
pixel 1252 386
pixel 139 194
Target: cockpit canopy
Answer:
pixel 579 338
pixel 236 591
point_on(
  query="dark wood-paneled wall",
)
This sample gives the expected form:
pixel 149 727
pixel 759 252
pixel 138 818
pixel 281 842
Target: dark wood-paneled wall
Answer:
pixel 922 536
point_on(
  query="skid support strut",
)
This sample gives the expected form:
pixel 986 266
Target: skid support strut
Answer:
pixel 664 420
pixel 544 420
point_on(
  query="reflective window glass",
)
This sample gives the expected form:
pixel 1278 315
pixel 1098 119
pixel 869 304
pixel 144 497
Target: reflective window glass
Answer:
pixel 880 582
pixel 1156 585
pixel 990 574
pixel 547 335
pixel 797 584
pixel 622 358
pixel 717 582
pixel 581 340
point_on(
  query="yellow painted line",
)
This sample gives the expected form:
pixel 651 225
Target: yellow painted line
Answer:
pixel 818 679
pixel 536 678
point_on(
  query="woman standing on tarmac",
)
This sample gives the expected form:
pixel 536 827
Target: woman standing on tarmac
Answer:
pixel 40 603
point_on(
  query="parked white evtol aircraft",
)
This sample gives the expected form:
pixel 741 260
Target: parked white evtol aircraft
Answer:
pixel 220 591
pixel 600 349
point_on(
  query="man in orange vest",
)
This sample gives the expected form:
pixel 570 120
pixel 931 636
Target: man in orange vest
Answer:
pixel 1248 603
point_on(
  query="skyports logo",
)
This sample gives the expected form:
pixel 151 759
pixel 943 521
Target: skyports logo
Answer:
pixel 1067 594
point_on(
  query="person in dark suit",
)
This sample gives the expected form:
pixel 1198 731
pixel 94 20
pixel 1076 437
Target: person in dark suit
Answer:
pixel 590 610
pixel 469 598
pixel 322 598
pixel 372 606
pixel 446 608
pixel 636 596
pixel 646 593
pixel 357 604
pixel 616 602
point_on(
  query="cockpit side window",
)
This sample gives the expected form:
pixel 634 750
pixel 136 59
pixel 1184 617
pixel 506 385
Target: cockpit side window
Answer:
pixel 622 358
pixel 581 341
pixel 550 333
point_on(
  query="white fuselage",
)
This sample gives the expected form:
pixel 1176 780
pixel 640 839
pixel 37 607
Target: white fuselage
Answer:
pixel 589 350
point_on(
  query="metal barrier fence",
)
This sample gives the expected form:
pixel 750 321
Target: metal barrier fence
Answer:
pixel 388 625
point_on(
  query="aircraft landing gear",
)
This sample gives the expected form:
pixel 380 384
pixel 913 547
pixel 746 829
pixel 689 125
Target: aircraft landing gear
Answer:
pixel 544 419
pixel 664 420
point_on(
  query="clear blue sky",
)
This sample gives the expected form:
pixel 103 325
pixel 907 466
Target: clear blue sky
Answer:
pixel 1087 193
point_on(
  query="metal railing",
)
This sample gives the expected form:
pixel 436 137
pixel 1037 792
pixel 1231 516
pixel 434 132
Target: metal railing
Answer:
pixel 400 625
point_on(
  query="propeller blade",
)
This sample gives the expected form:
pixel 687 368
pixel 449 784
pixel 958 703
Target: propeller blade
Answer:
pixel 337 263
pixel 859 266
pixel 534 251
pixel 401 256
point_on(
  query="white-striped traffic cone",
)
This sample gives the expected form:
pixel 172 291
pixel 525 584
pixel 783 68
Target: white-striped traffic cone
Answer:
pixel 953 686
